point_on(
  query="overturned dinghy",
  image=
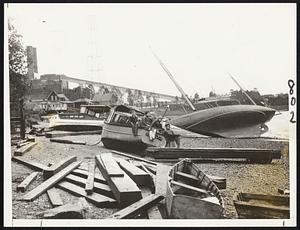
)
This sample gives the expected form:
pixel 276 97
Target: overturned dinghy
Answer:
pixel 191 194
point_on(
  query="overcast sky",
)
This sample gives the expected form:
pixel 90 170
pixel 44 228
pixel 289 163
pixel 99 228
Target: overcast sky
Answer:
pixel 199 43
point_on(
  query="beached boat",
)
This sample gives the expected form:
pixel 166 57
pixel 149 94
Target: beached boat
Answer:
pixel 90 117
pixel 261 206
pixel 191 194
pixel 227 121
pixel 222 118
pixel 117 132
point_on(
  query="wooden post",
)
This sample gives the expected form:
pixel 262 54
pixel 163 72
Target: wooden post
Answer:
pixel 22 120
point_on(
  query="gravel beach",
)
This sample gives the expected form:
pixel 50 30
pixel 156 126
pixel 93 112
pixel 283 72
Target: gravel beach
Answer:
pixel 241 176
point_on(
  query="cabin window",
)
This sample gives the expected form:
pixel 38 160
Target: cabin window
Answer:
pixel 81 116
pixel 97 115
pixel 92 113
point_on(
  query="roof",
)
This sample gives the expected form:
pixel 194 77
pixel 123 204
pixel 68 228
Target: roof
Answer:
pixel 83 99
pixel 61 95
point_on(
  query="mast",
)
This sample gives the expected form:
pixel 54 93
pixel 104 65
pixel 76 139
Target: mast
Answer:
pixel 174 81
pixel 243 91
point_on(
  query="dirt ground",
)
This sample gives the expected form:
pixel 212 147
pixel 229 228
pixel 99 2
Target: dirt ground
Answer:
pixel 241 176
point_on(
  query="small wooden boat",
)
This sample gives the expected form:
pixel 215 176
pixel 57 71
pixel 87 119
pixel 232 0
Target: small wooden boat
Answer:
pixel 191 194
pixel 90 117
pixel 261 206
pixel 117 132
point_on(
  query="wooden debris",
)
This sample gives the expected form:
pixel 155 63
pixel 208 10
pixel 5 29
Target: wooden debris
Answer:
pixel 199 190
pixel 284 191
pixel 83 173
pixel 67 211
pixel 152 212
pixel 133 157
pixel 50 182
pixel 152 177
pixel 103 189
pixel 137 207
pixel 54 197
pixel 90 179
pixel 124 188
pixel 162 175
pixel 139 176
pixel 31 164
pixel 95 198
pixel 28 180
pixel 64 141
pixel 111 166
pixel 25 149
pixel 55 168
pixel 62 134
pixel 252 154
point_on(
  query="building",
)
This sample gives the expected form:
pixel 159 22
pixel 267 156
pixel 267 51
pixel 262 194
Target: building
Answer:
pixel 32 63
pixel 106 99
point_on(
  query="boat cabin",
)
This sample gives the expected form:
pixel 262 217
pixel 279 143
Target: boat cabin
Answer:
pixel 98 111
pixel 120 115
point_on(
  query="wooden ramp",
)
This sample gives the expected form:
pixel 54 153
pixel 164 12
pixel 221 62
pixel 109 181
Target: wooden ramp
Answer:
pixel 251 154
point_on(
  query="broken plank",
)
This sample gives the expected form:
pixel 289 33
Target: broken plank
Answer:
pixel 25 149
pixel 97 187
pixel 137 207
pixel 62 134
pixel 90 179
pixel 55 168
pixel 153 212
pixel 28 180
pixel 162 175
pixel 83 173
pixel 152 177
pixel 124 189
pixel 95 198
pixel 31 164
pixel 111 166
pixel 50 182
pixel 133 157
pixel 64 141
pixel 54 197
pixel 139 176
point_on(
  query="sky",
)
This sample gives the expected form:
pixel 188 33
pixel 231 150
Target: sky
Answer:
pixel 200 44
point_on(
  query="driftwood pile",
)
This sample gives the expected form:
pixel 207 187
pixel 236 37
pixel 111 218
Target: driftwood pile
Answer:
pixel 119 184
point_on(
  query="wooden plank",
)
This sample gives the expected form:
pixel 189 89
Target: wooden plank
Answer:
pixel 28 180
pixel 152 177
pixel 248 153
pixel 54 197
pixel 24 149
pixel 95 198
pixel 139 176
pixel 31 164
pixel 64 141
pixel 90 179
pixel 97 187
pixel 189 187
pixel 83 173
pixel 133 157
pixel 219 181
pixel 161 178
pixel 137 207
pixel 111 166
pixel 50 182
pixel 123 188
pixel 152 212
pixel 55 168
pixel 62 133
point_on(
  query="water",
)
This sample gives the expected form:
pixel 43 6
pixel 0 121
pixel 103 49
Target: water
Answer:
pixel 278 126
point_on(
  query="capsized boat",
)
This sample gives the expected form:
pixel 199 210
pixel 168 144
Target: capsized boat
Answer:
pixel 191 194
pixel 117 132
pixel 90 117
pixel 261 206
pixel 227 121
